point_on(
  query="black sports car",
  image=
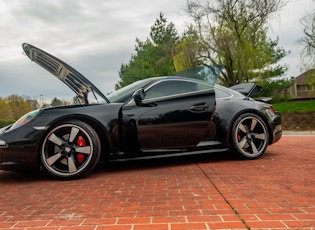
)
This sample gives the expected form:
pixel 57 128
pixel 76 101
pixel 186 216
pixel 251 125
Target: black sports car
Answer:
pixel 159 116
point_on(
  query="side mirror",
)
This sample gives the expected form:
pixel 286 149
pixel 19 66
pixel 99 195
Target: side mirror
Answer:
pixel 138 96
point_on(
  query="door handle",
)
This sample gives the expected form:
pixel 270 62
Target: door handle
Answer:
pixel 199 107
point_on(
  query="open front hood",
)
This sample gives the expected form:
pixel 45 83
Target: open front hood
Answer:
pixel 247 89
pixel 72 78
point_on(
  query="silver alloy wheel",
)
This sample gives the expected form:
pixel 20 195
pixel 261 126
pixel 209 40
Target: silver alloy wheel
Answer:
pixel 250 136
pixel 70 150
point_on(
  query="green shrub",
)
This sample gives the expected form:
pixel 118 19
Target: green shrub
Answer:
pixel 280 99
pixel 4 123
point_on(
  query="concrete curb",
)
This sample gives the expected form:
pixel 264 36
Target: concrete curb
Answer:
pixel 298 132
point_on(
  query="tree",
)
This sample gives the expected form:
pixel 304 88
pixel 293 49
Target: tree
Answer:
pixel 56 102
pixel 18 106
pixel 34 104
pixel 233 33
pixel 5 110
pixel 308 41
pixel 153 57
pixel 75 100
pixel 277 89
pixel 184 55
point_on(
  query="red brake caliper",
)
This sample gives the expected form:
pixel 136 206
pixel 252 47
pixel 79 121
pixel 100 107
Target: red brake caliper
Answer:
pixel 238 136
pixel 80 142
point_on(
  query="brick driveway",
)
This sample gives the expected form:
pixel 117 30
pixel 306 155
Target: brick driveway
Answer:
pixel 201 192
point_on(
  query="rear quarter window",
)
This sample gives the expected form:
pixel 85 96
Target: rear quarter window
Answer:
pixel 221 93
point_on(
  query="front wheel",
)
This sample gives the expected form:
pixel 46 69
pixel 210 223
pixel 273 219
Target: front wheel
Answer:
pixel 70 150
pixel 249 136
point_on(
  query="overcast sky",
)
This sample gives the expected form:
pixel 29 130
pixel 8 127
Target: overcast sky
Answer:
pixel 97 36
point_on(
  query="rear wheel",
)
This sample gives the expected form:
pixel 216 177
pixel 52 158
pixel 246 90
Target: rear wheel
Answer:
pixel 70 150
pixel 250 136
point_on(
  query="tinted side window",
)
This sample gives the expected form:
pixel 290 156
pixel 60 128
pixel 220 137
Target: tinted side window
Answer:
pixel 173 87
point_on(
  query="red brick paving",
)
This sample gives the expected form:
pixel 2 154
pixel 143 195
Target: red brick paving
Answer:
pixel 276 191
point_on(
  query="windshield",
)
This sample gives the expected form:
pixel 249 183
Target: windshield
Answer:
pixel 122 94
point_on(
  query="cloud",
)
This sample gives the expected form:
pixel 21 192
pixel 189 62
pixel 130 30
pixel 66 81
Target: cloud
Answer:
pixel 95 37
pixel 289 30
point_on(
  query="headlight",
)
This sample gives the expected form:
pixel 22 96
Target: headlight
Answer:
pixel 25 119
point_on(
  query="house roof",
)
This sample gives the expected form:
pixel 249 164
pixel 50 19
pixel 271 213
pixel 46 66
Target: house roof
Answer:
pixel 303 78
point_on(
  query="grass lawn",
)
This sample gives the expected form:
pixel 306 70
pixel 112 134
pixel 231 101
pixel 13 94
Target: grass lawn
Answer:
pixel 295 106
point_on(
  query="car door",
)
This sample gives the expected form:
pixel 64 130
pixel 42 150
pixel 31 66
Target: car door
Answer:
pixel 175 114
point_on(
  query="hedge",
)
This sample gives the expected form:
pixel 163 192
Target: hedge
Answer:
pixel 4 123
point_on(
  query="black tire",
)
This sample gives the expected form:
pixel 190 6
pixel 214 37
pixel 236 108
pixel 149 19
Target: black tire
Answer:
pixel 70 150
pixel 249 136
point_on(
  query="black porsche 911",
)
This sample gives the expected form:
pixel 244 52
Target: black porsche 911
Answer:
pixel 160 116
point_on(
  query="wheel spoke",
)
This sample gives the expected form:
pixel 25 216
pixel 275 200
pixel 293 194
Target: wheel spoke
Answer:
pixel 71 165
pixel 53 138
pixel 260 136
pixel 253 147
pixel 51 160
pixel 242 142
pixel 242 128
pixel 73 134
pixel 253 125
pixel 85 149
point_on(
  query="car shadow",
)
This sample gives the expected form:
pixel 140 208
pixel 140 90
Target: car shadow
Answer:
pixel 22 176
pixel 163 162
pixel 113 167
